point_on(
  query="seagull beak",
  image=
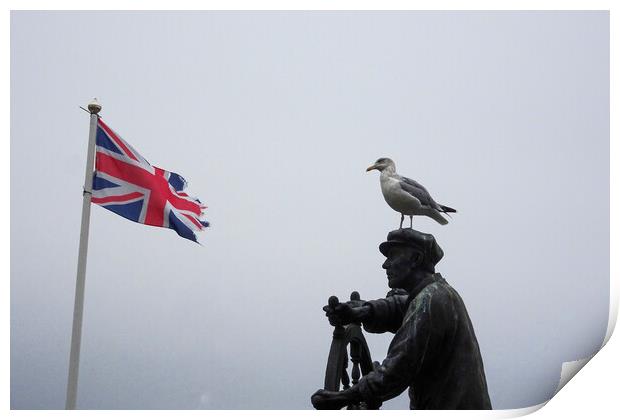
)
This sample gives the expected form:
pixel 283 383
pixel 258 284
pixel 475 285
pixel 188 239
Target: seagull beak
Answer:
pixel 370 168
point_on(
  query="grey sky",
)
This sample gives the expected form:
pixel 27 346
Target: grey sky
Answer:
pixel 272 117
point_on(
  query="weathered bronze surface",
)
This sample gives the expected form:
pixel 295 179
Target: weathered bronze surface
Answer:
pixel 434 351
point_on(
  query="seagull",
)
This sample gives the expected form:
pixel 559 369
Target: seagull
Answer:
pixel 407 196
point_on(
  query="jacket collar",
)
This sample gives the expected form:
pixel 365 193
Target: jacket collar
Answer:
pixel 421 285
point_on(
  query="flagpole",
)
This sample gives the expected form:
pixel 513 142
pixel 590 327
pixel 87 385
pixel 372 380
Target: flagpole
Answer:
pixel 78 307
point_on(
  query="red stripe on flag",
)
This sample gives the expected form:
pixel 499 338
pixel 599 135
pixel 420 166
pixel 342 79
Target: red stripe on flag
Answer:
pixel 193 220
pixel 184 204
pixel 125 197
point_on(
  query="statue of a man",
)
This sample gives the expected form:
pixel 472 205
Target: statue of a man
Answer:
pixel 434 352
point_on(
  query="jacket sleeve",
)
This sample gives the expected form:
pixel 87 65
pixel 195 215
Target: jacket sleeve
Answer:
pixel 414 341
pixel 387 314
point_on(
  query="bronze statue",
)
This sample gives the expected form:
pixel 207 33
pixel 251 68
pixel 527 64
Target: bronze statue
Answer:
pixel 434 352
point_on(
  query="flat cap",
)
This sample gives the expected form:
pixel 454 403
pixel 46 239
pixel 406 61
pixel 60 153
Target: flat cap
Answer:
pixel 424 242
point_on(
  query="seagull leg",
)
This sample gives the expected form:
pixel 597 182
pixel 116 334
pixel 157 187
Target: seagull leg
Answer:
pixel 402 217
pixel 411 222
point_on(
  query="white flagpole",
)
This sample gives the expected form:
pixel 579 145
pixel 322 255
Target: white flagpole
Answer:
pixel 78 307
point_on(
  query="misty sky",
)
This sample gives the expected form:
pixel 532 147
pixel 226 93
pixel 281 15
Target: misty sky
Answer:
pixel 272 117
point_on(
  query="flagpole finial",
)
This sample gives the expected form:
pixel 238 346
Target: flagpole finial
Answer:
pixel 94 107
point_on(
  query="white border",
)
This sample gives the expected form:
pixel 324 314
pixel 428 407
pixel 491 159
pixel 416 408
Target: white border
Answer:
pixel 599 382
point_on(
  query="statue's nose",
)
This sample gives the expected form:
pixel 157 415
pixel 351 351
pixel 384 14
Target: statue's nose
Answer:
pixel 385 265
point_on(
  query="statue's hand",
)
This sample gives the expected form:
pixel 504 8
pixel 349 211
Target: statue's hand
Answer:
pixel 339 313
pixel 329 400
pixel 345 313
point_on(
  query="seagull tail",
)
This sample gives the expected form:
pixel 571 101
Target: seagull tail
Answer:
pixel 435 215
pixel 447 209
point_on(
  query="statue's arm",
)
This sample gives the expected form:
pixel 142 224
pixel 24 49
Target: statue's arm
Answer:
pixel 418 338
pixel 383 315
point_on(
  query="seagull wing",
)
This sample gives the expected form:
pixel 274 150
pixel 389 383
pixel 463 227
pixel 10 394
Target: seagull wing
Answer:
pixel 418 191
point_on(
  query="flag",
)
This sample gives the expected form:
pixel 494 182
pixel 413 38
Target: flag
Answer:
pixel 126 184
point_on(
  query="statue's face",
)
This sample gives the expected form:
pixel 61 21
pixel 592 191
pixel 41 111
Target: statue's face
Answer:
pixel 399 264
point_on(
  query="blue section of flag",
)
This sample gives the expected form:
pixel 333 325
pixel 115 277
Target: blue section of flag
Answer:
pixel 104 141
pixel 100 183
pixel 129 211
pixel 177 181
pixel 181 228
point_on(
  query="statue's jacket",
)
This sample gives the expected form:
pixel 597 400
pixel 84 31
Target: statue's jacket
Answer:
pixel 434 351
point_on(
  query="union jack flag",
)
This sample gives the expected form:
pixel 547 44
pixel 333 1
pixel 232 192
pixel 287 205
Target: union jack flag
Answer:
pixel 125 183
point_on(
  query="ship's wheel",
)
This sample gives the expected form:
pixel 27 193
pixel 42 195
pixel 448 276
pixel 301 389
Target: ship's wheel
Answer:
pixel 348 344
